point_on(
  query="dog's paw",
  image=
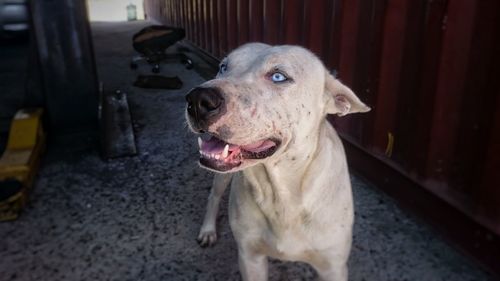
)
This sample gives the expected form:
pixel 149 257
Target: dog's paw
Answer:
pixel 207 238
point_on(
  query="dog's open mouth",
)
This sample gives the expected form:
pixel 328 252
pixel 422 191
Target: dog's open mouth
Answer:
pixel 222 156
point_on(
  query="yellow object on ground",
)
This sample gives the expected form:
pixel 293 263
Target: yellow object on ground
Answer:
pixel 21 159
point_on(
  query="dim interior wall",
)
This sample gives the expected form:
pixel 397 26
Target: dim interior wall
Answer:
pixel 113 10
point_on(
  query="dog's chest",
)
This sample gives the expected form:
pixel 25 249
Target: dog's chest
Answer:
pixel 287 234
pixel 277 221
pixel 292 245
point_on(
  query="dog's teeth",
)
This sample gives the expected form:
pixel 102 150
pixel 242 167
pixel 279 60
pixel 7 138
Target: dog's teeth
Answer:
pixel 199 142
pixel 217 156
pixel 225 153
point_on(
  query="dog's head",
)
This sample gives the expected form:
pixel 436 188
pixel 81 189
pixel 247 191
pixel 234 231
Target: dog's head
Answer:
pixel 263 100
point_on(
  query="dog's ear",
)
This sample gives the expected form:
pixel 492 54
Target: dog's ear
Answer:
pixel 340 99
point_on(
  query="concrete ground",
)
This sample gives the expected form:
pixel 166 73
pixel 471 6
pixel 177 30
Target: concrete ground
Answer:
pixel 137 218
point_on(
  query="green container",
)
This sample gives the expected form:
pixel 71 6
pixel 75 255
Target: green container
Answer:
pixel 131 12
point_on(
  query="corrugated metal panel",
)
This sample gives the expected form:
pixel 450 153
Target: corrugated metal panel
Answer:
pixel 428 69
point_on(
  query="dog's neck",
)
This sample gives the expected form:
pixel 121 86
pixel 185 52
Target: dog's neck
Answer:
pixel 287 179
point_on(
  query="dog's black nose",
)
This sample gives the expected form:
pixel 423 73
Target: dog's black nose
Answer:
pixel 204 105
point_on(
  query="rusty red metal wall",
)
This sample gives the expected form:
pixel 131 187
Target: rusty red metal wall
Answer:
pixel 427 68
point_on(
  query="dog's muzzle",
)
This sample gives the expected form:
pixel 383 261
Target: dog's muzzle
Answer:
pixel 205 106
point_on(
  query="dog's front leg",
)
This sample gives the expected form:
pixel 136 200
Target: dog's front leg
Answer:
pixel 208 233
pixel 253 267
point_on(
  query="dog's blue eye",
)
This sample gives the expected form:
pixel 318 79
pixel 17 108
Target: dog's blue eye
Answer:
pixel 222 68
pixel 278 77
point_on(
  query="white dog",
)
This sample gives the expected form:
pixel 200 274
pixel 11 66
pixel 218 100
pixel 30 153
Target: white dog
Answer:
pixel 291 194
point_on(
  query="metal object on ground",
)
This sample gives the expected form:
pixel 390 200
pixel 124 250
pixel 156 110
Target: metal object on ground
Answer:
pixel 153 41
pixel 20 161
pixel 117 134
pixel 158 82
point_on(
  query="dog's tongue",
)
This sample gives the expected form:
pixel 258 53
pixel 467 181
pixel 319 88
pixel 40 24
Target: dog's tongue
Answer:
pixel 220 155
pixel 259 146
